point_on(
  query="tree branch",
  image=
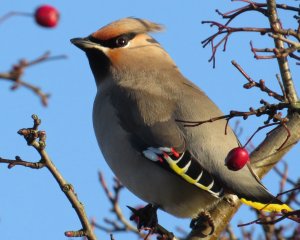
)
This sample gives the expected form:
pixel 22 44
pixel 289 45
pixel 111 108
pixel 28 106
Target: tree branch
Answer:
pixel 283 64
pixel 263 160
pixel 17 70
pixel 37 139
pixel 274 32
pixel 19 162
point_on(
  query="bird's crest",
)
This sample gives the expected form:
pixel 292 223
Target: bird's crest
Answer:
pixel 126 25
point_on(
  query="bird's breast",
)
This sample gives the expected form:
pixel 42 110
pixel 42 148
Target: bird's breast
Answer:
pixel 141 176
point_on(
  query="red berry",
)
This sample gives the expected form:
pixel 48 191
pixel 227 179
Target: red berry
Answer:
pixel 46 16
pixel 237 158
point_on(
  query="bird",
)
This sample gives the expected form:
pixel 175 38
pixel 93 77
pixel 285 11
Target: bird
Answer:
pixel 141 96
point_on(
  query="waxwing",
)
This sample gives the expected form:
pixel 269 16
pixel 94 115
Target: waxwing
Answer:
pixel 141 95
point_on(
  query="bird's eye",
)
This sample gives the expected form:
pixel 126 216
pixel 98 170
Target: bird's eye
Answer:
pixel 122 41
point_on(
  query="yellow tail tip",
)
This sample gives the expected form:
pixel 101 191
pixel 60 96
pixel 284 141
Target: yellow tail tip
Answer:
pixel 272 207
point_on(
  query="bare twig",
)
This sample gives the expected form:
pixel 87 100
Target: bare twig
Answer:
pixel 269 146
pixel 272 218
pixel 271 110
pixel 294 215
pixel 261 84
pixel 254 6
pixel 282 61
pixel 122 224
pixel 277 33
pixel 226 31
pixel 15 75
pixel 12 14
pixel 19 162
pixel 281 87
pixel 282 174
pixel 37 139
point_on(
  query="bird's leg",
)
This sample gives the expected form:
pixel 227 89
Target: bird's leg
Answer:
pixel 203 223
pixel 145 217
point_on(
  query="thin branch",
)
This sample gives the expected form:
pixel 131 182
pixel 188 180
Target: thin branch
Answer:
pixel 282 175
pixel 284 178
pixel 267 109
pixel 19 162
pixel 116 209
pixel 226 30
pixel 261 84
pixel 12 14
pixel 17 71
pixel 37 139
pixel 294 215
pixel 254 6
pixel 262 8
pixel 222 213
pixel 282 61
pixel 272 218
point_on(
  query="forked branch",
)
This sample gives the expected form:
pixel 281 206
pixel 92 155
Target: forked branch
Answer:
pixel 17 71
pixel 37 139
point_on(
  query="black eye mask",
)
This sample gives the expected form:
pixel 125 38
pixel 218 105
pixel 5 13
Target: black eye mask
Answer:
pixel 116 42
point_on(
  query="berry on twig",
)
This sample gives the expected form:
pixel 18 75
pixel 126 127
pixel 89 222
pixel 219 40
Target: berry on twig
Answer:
pixel 237 158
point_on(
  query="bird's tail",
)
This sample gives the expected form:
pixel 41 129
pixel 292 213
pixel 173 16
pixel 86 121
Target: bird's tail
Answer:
pixel 268 207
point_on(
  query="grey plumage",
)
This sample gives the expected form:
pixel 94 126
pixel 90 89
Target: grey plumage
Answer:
pixel 140 95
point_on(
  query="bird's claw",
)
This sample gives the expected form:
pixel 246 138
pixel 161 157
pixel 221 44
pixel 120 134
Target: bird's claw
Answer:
pixel 145 217
pixel 203 223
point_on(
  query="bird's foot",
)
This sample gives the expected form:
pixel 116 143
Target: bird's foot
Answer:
pixel 203 223
pixel 161 153
pixel 145 217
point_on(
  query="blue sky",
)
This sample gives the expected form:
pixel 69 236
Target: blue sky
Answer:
pixel 31 205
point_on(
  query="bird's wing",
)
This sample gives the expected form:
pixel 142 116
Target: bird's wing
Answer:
pixel 152 122
pixel 209 145
pixel 148 118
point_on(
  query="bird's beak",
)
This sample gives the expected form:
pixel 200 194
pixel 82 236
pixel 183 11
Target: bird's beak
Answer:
pixel 85 44
pixel 82 43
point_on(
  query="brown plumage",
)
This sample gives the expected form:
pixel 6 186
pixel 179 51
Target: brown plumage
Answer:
pixel 127 25
pixel 140 95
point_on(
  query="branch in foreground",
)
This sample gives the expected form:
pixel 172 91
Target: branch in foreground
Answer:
pixel 37 139
pixel 268 220
pixel 262 159
pixel 15 75
pixel 19 162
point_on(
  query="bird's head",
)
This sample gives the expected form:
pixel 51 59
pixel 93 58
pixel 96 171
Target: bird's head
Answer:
pixel 124 46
